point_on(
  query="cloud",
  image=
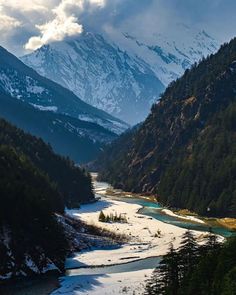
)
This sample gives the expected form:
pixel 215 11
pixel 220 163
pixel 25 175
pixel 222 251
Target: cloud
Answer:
pixel 56 30
pixel 32 23
pixel 65 22
pixel 7 23
pixel 23 5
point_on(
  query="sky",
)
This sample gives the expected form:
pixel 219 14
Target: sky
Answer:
pixel 25 25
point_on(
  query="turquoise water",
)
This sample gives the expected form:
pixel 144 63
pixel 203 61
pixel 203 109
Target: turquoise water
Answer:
pixel 186 224
pixel 146 263
pixel 46 285
pixel 152 209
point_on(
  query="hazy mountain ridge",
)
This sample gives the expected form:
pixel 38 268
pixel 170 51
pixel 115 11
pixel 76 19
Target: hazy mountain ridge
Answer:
pixel 171 52
pixel 68 136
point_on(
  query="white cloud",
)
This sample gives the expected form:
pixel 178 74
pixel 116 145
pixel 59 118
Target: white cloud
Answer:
pixel 64 24
pixel 29 24
pixel 32 23
pixel 56 30
pixel 7 23
pixel 25 5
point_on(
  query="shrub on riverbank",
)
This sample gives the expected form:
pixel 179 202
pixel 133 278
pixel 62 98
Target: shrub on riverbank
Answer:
pixel 112 217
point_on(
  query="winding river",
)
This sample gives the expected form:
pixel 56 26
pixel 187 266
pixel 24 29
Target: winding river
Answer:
pixel 154 210
pixel 47 284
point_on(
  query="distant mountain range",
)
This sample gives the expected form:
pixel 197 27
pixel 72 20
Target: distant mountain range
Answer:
pixel 48 110
pixel 122 75
pixel 171 52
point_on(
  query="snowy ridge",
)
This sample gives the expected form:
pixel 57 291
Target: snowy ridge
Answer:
pixel 23 83
pixel 20 87
pixel 101 74
pixel 120 72
pixel 31 91
pixel 168 53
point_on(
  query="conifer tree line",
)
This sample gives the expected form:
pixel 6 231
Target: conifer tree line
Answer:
pixel 35 187
pixel 193 269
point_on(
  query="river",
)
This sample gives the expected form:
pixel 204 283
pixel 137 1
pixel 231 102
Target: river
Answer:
pixel 154 210
pixel 47 284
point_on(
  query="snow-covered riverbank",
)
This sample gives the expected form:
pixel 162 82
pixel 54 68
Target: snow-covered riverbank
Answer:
pixel 128 283
pixel 186 217
pixel 148 236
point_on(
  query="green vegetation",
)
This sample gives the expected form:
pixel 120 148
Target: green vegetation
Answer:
pixel 208 172
pixel 194 269
pixel 35 187
pixel 72 182
pixel 28 226
pixel 185 151
pixel 112 217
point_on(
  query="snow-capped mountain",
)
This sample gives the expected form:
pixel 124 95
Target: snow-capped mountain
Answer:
pixel 118 72
pixel 101 74
pixel 48 110
pixel 23 83
pixel 168 53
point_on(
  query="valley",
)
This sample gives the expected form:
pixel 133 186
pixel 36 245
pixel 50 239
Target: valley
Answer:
pixel 117 147
pixel 126 266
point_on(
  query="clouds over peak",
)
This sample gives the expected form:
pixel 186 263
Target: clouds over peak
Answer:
pixel 45 21
pixel 56 30
pixel 28 24
pixel 65 22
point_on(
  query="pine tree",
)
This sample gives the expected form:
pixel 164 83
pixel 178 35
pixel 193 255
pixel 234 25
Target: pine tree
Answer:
pixel 189 254
pixel 212 243
pixel 156 284
pixel 172 275
pixel 102 217
pixel 165 279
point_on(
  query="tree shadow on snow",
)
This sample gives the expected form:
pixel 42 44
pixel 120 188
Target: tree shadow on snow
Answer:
pixel 80 283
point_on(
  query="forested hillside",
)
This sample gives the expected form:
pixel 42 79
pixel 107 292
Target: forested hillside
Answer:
pixel 30 237
pixel 185 151
pixel 73 183
pixel 35 186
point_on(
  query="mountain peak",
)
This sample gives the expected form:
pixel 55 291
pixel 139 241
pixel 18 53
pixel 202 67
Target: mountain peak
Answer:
pixel 51 111
pixel 123 75
pixel 101 74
